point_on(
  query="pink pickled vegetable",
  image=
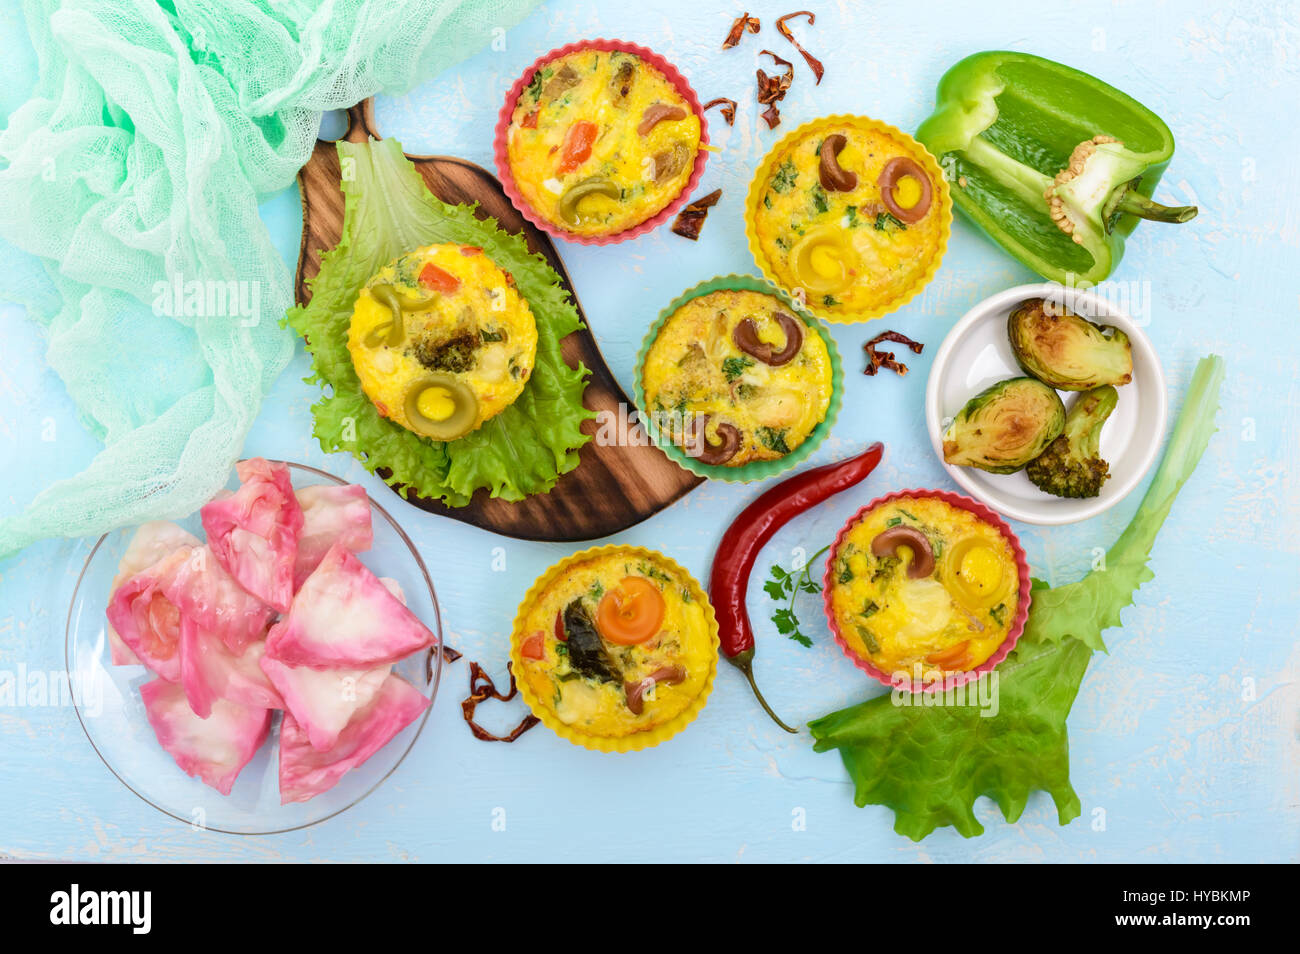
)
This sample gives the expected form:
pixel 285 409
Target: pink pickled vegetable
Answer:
pixel 210 671
pixel 306 772
pixel 151 542
pixel 323 701
pixel 209 596
pixel 254 532
pixel 331 514
pixel 148 622
pixel 344 618
pixel 214 749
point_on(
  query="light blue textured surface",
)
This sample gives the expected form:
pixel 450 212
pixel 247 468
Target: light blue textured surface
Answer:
pixel 1184 739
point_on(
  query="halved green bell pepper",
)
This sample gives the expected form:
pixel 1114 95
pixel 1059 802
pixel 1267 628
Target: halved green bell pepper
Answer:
pixel 1055 165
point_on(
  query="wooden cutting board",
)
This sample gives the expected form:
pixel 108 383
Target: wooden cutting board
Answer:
pixel 613 487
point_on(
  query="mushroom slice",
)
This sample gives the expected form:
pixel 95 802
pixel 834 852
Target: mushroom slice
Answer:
pixel 635 691
pixel 895 171
pixel 698 445
pixel 834 177
pixel 656 114
pixel 888 541
pixel 746 339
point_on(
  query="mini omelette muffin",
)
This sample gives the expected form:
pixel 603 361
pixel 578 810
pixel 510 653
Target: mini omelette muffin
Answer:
pixel 600 141
pixel 739 366
pixel 617 642
pixel 850 215
pixel 441 341
pixel 919 582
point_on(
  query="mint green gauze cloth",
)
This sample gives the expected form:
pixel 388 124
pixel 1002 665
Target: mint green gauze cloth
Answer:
pixel 132 178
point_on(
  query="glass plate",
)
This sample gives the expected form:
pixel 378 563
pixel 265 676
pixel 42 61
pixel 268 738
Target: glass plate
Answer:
pixel 110 709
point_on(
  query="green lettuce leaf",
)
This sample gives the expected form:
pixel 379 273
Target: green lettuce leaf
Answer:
pixel 930 764
pixel 1084 608
pixel 523 450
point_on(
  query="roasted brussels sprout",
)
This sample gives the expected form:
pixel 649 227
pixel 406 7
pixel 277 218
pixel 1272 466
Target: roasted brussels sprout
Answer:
pixel 1005 426
pixel 1068 352
pixel 1072 465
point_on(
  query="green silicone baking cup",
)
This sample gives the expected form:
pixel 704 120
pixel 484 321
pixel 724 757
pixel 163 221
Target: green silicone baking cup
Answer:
pixel 759 469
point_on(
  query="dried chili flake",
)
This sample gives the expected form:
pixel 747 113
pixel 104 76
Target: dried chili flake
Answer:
pixel 728 108
pixel 877 359
pixel 814 64
pixel 448 654
pixel 772 89
pixel 482 688
pixel 743 22
pixel 691 219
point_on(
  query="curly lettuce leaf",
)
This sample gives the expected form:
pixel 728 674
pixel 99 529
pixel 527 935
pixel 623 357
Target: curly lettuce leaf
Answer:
pixel 930 763
pixel 523 450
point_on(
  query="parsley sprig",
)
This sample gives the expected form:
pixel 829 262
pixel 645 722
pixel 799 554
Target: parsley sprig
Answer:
pixel 783 586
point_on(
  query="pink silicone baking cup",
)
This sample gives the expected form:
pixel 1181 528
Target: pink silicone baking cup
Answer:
pixel 502 155
pixel 953 679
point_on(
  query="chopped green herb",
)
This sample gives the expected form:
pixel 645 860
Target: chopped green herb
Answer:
pixel 868 639
pixel 999 613
pixel 773 439
pixel 819 201
pixel 735 367
pixel 492 334
pixel 885 221
pixel 785 178
pixel 870 609
pixel 885 570
pixel 893 521
pixel 653 572
pixel 852 213
pixel 535 84
pixel 829 301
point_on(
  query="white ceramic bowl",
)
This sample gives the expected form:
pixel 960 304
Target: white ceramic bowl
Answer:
pixel 977 353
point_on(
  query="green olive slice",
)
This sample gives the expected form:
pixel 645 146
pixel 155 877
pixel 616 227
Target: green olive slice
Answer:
pixel 456 424
pixel 596 185
pixel 393 332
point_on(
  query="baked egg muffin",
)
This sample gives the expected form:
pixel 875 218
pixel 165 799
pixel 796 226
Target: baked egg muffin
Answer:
pixel 918 582
pixel 850 216
pixel 600 141
pixel 617 642
pixel 733 376
pixel 442 341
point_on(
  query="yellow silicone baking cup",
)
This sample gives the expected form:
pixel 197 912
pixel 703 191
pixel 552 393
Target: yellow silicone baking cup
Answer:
pixel 637 740
pixel 942 198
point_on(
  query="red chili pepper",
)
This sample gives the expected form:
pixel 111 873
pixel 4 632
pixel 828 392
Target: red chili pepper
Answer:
pixel 431 276
pixel 747 535
pixel 530 121
pixel 560 634
pixel 468 250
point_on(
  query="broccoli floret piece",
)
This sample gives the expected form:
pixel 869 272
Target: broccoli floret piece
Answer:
pixel 1072 466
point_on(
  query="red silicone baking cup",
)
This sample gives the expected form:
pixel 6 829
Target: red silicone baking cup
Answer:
pixel 502 155
pixel 953 679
